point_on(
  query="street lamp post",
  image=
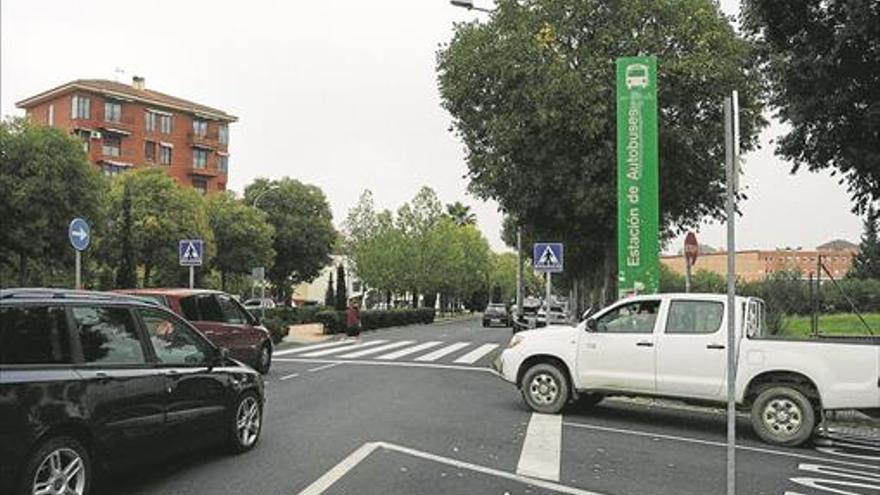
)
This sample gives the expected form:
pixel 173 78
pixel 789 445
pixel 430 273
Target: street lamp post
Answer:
pixel 263 281
pixel 468 4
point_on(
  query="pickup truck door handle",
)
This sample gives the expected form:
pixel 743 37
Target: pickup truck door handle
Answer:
pixel 645 344
pixel 715 346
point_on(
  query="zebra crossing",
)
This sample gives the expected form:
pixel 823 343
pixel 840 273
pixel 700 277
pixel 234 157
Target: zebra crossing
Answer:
pixel 435 351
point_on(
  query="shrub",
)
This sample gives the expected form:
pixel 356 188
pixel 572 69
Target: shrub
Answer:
pixel 335 321
pixel 277 328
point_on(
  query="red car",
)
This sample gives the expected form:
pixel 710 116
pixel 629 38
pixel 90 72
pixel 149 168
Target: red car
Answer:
pixel 221 319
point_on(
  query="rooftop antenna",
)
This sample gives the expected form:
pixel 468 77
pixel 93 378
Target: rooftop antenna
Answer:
pixel 117 71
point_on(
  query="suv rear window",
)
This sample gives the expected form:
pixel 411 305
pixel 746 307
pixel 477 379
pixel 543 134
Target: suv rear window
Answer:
pixel 33 335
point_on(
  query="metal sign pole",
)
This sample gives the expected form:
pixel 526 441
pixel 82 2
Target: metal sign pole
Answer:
pixel 549 282
pixel 192 277
pixel 262 300
pixel 731 141
pixel 78 270
pixel 687 273
pixel 519 273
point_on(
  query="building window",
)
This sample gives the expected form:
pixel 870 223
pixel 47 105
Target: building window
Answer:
pixel 150 151
pixel 150 121
pixel 79 107
pixel 111 170
pixel 165 124
pixel 200 158
pixel 223 164
pixel 111 145
pixel 165 155
pixel 200 185
pixel 112 111
pixel 51 119
pixel 85 137
pixel 200 128
pixel 223 133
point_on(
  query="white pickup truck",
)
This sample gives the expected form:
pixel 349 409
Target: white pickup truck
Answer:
pixel 674 346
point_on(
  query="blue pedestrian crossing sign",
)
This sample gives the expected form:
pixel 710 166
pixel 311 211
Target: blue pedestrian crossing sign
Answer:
pixel 190 251
pixel 79 234
pixel 547 257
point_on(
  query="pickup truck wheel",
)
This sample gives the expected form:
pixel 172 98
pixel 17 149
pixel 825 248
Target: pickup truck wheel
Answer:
pixel 782 415
pixel 545 388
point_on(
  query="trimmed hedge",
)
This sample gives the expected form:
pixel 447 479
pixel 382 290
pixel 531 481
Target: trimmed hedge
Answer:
pixel 277 320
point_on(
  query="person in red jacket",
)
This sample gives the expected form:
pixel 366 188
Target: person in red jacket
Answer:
pixel 353 319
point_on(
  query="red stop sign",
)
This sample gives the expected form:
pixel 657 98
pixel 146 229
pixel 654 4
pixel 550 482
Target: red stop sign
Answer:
pixel 691 248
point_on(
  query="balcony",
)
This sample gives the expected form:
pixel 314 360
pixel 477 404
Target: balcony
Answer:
pixel 125 126
pixel 209 141
pixel 203 172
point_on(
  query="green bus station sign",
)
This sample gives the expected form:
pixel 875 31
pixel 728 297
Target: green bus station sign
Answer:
pixel 638 217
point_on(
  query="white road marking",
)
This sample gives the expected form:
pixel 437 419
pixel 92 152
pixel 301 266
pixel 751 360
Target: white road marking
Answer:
pixel 439 353
pixel 288 377
pixel 476 354
pixel 838 452
pixel 340 470
pixel 324 367
pixel 410 350
pixel 306 348
pixel 840 472
pixel 398 364
pixel 352 346
pixel 542 447
pixel 826 485
pixel 711 443
pixel 374 350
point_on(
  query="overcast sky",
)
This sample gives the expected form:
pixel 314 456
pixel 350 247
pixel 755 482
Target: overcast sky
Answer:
pixel 337 93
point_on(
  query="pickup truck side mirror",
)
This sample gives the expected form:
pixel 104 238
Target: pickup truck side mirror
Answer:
pixel 591 325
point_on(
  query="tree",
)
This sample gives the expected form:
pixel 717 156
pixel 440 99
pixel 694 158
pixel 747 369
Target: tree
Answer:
pixel 461 214
pixel 824 66
pixel 341 288
pixel 45 182
pixel 126 275
pixel 242 233
pixel 304 233
pixel 162 213
pixel 330 294
pixel 866 264
pixel 531 93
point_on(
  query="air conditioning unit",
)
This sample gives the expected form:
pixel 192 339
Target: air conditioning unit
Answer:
pixel 95 135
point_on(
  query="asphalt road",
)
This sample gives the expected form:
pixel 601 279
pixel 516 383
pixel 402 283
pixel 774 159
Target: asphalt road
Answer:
pixel 415 410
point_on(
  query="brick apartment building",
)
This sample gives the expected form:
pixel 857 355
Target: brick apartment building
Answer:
pixel 757 264
pixel 124 126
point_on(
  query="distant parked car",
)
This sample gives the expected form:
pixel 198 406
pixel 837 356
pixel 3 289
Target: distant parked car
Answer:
pixel 91 380
pixel 222 319
pixel 558 316
pixel 257 303
pixel 496 314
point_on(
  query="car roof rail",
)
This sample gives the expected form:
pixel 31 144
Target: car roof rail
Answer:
pixel 70 294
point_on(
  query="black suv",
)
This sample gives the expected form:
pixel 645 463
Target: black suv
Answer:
pixel 93 380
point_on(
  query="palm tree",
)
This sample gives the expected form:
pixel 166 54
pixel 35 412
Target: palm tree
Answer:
pixel 461 214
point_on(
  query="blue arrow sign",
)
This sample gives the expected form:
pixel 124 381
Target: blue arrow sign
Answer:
pixel 79 234
pixel 190 252
pixel 547 256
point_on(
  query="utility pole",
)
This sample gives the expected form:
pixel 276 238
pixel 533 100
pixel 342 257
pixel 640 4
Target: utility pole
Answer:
pixel 731 141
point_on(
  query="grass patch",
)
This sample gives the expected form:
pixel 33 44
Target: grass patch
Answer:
pixel 836 324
